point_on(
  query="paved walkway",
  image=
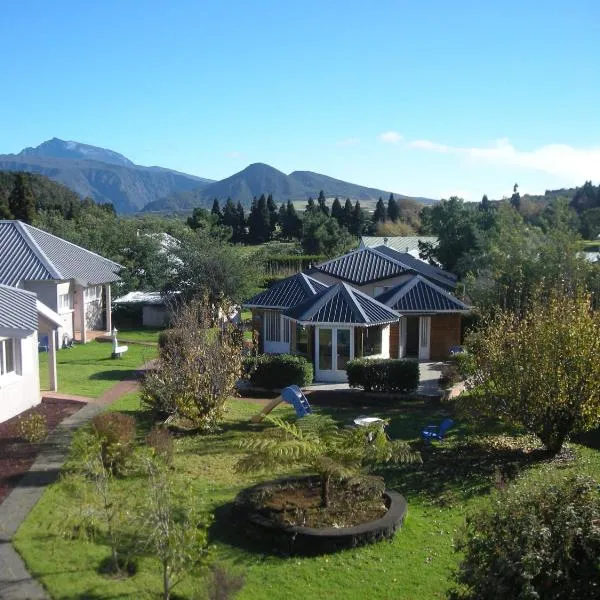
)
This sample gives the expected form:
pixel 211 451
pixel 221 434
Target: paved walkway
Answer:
pixel 15 582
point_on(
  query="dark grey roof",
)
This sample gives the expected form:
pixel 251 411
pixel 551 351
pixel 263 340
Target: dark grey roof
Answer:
pixel 363 266
pixel 439 276
pixel 287 292
pixel 419 295
pixel 18 310
pixel 342 304
pixel 28 253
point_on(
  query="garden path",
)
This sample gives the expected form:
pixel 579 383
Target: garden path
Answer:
pixel 16 583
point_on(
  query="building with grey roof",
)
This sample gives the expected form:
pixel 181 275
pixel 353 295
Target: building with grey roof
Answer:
pixel 70 280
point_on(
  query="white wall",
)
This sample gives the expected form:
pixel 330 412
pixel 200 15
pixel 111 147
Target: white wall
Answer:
pixel 66 314
pixel 20 392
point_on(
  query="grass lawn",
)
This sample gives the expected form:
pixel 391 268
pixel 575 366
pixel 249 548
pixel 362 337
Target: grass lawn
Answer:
pixel 453 478
pixel 88 369
pixel 147 335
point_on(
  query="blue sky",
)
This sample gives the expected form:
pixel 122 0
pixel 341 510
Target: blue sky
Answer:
pixel 431 98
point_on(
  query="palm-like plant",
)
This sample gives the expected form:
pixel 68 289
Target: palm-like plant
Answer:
pixel 318 444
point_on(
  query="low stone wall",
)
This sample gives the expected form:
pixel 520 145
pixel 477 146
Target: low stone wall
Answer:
pixel 310 541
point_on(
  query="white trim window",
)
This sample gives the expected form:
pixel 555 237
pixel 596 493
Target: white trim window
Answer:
pixel 93 293
pixel 272 326
pixel 65 301
pixel 10 356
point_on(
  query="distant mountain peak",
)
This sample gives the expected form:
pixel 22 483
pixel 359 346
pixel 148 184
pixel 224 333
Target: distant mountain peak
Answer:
pixel 57 148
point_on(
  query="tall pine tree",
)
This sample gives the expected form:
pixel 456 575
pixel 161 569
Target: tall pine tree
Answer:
pixel 379 214
pixel 393 212
pixel 515 199
pixel 357 224
pixel 216 212
pixel 322 204
pixel 337 212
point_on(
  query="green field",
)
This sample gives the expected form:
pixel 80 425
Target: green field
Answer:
pixel 454 478
pixel 89 370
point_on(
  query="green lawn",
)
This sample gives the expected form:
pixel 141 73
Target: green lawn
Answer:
pixel 147 335
pixel 418 563
pixel 89 370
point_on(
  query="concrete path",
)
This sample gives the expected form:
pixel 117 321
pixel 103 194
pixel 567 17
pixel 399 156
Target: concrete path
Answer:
pixel 15 582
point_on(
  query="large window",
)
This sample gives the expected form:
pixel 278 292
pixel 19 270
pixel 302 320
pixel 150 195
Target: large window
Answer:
pixel 93 293
pixel 370 341
pixel 9 356
pixel 301 340
pixel 272 326
pixel 65 302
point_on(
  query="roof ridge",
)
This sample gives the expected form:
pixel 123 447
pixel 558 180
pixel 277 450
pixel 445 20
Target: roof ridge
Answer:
pixel 391 258
pixel 328 293
pixel 349 290
pixel 23 229
pixel 405 287
pixel 440 289
pixel 71 244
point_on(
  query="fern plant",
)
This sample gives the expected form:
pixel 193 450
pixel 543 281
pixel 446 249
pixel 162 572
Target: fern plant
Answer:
pixel 318 444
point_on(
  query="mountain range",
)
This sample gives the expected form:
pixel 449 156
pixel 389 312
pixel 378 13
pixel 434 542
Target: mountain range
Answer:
pixel 107 176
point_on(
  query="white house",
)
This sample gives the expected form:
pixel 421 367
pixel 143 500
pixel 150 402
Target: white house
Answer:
pixel 22 319
pixel 68 279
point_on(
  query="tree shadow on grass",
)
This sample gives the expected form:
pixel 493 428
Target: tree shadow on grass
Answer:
pixel 455 473
pixel 115 375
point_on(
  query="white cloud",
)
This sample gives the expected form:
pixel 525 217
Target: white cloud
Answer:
pixel 575 164
pixel 351 141
pixel 234 154
pixel 390 137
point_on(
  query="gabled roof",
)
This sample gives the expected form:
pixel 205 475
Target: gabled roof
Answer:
pixel 18 311
pixel 396 242
pixel 287 292
pixel 438 275
pixel 363 266
pixel 28 253
pixel 342 304
pixel 419 295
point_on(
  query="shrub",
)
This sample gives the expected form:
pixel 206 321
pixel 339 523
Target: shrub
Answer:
pixel 273 371
pixel 161 443
pixel 170 338
pixel 383 375
pixel 116 432
pixel 466 364
pixel 33 428
pixel 536 540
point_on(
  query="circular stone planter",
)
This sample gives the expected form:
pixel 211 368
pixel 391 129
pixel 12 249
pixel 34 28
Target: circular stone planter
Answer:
pixel 310 540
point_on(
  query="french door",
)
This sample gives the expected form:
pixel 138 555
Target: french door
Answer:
pixel 335 347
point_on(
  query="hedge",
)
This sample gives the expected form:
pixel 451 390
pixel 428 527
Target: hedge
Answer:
pixel 383 375
pixel 276 371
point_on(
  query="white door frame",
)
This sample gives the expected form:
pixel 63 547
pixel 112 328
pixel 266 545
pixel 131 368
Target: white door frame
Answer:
pixel 424 337
pixel 402 325
pixel 333 375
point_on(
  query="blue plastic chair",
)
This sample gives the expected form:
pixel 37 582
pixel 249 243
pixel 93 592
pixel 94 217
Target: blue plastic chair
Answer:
pixel 436 432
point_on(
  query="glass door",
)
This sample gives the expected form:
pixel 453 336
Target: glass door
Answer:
pixel 325 349
pixel 334 351
pixel 343 349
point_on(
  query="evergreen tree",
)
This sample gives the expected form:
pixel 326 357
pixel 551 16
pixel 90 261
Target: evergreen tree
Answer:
pixel 337 212
pixel 241 221
pixel 231 219
pixel 259 222
pixel 21 202
pixel 357 225
pixel 216 211
pixel 485 203
pixel 380 213
pixel 515 199
pixel 322 204
pixel 393 212
pixel 272 211
pixel 310 205
pixel 347 214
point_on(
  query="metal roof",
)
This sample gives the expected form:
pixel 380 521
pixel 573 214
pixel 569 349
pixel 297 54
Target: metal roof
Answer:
pixel 342 304
pixel 420 266
pixel 154 298
pixel 287 292
pixel 419 295
pixel 363 266
pixel 28 253
pixel 18 310
pixel 396 242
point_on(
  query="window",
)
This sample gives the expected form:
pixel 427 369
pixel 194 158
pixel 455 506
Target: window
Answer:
pixel 272 326
pixel 65 302
pixel 301 340
pixel 9 349
pixel 93 293
pixel 372 341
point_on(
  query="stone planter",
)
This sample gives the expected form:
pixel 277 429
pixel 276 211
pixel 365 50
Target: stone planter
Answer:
pixel 308 540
